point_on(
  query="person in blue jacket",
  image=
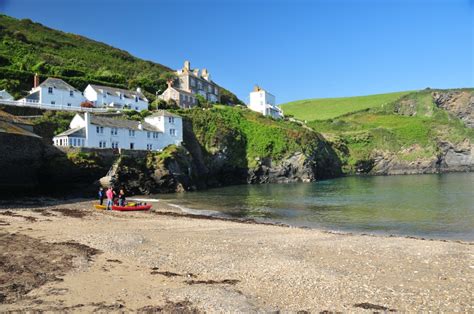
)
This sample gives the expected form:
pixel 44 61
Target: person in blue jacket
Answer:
pixel 101 195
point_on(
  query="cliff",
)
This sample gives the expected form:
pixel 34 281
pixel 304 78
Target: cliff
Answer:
pixel 224 146
pixel 429 131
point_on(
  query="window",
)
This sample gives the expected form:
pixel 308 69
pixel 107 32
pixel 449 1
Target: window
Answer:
pixel 172 132
pixel 136 98
pixel 149 146
pixel 131 132
pixel 53 102
pixel 171 119
pixel 155 134
pixel 50 90
pixel 74 142
pixel 104 95
pixel 132 145
pixel 120 95
pixel 99 129
pixel 113 131
pixel 148 134
pixel 71 93
pixel 69 104
pixel 115 144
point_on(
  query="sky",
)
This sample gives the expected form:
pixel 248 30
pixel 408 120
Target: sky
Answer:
pixel 295 49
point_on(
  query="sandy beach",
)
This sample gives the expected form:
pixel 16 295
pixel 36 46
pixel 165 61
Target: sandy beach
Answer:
pixel 69 256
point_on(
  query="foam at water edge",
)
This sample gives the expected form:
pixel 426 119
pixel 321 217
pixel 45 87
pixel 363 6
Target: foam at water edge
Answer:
pixel 144 199
pixel 198 211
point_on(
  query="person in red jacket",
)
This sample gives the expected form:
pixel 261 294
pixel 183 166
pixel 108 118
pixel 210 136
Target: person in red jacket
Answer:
pixel 110 198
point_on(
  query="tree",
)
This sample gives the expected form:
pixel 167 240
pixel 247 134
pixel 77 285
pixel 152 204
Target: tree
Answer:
pixel 159 104
pixel 202 102
pixel 169 77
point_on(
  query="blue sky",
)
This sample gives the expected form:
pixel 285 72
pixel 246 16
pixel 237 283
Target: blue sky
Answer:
pixel 295 49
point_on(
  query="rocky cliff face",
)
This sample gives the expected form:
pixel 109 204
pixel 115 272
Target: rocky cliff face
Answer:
pixel 30 165
pixel 451 158
pixel 458 102
pixel 224 159
pixel 177 170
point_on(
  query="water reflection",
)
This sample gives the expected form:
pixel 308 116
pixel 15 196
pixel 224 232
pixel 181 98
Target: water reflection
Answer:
pixel 423 205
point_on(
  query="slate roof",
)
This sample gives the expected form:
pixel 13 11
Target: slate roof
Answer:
pixel 4 116
pixel 11 128
pixel 57 83
pixel 164 113
pixel 77 132
pixel 121 123
pixel 116 91
pixel 179 90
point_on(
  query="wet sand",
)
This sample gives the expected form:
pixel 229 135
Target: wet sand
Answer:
pixel 69 256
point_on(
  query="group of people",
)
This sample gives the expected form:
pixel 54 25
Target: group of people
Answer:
pixel 113 198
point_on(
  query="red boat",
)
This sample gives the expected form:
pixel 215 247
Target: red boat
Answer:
pixel 131 208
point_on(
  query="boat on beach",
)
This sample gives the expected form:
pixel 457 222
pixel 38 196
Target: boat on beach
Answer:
pixel 131 208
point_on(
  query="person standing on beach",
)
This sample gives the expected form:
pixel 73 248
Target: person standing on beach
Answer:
pixel 110 198
pixel 101 195
pixel 121 197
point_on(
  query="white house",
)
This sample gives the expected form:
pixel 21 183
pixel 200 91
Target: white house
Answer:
pixel 263 102
pixel 104 96
pixel 101 131
pixel 56 92
pixel 4 95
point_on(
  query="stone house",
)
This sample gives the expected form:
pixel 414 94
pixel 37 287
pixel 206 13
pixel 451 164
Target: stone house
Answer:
pixel 191 82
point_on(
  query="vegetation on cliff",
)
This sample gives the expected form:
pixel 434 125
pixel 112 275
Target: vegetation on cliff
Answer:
pixel 27 48
pixel 248 136
pixel 409 128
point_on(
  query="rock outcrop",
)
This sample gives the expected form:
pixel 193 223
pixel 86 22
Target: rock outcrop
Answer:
pixel 450 158
pixel 458 102
pixel 29 165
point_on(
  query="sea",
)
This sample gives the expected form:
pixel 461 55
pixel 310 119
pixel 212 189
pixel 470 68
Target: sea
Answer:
pixel 435 206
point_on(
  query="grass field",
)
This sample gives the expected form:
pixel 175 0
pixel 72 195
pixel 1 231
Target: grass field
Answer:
pixel 328 108
pixel 412 133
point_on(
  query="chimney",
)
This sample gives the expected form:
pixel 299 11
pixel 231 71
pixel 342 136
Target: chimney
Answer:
pixel 87 118
pixel 140 126
pixel 139 90
pixel 36 80
pixel 187 65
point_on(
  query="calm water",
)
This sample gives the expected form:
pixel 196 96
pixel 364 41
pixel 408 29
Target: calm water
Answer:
pixel 433 206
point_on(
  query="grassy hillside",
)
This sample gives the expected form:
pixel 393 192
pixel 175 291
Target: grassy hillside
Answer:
pixel 249 136
pixel 328 108
pixel 27 47
pixel 408 128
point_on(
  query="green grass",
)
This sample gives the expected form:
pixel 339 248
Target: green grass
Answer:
pixel 329 108
pixel 27 47
pixel 409 128
pixel 248 136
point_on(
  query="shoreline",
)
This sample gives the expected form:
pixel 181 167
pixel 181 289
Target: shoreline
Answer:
pixel 112 261
pixel 183 213
pixel 173 210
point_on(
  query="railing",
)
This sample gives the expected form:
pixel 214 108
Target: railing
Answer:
pixel 30 103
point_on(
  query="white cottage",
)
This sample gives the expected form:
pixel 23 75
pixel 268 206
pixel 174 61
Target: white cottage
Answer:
pixel 263 102
pixel 100 131
pixel 55 92
pixel 104 96
pixel 4 95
